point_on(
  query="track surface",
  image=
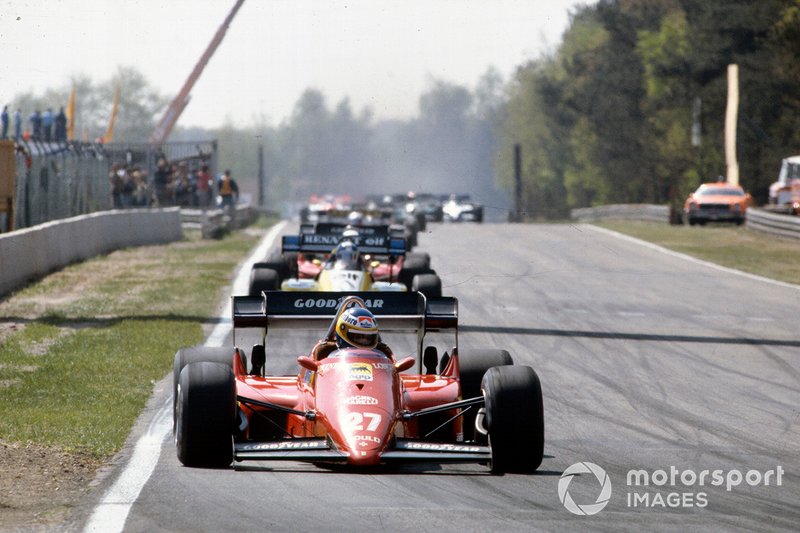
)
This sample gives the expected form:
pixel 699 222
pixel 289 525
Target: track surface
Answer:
pixel 647 361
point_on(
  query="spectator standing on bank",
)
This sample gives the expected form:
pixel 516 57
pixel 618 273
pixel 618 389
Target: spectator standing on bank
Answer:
pixel 36 125
pixel 61 126
pixel 17 125
pixel 162 180
pixel 228 191
pixel 47 124
pixel 203 187
pixel 4 120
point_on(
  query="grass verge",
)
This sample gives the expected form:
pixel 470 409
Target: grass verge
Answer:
pixel 727 245
pixel 81 349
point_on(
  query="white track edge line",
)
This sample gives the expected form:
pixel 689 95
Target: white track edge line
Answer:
pixel 110 514
pixel 691 259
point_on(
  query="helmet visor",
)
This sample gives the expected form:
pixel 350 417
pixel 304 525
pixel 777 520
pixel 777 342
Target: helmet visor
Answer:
pixel 363 339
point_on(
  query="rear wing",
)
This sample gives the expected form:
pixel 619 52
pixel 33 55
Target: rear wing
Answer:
pixel 380 243
pixel 395 311
pixel 365 229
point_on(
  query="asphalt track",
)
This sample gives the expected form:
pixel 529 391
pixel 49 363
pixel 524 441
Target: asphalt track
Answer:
pixel 648 362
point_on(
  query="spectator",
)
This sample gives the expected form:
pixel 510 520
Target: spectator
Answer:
pixel 162 180
pixel 141 192
pixel 36 125
pixel 115 181
pixel 228 191
pixel 47 124
pixel 4 120
pixel 17 125
pixel 128 188
pixel 61 126
pixel 203 180
pixel 184 191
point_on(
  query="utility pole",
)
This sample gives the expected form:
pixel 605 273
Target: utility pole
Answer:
pixel 517 217
pixel 260 175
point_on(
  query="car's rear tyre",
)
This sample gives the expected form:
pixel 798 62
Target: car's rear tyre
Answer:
pixel 472 365
pixel 417 261
pixel 206 415
pixel 411 233
pixel 195 354
pixel 428 284
pixel 422 222
pixel 408 272
pixel 263 279
pixel 514 418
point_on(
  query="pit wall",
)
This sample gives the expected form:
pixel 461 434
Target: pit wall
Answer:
pixel 31 253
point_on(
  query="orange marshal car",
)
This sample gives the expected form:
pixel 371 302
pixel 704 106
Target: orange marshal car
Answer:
pixel 717 202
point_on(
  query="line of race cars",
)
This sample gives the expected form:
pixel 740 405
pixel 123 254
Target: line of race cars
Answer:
pixel 355 404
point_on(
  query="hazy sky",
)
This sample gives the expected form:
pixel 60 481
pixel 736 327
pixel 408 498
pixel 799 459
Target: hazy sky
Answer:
pixel 380 53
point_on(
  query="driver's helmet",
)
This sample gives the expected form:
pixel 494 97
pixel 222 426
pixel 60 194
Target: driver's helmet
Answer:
pixel 355 218
pixel 350 234
pixel 346 256
pixel 356 328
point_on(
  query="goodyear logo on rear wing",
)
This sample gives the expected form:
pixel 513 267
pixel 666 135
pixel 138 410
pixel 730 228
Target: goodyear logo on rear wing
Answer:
pixel 360 372
pixel 332 303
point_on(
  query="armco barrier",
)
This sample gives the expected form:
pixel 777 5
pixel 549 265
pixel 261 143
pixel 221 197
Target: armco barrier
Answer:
pixel 213 223
pixel 33 252
pixel 656 213
pixel 778 225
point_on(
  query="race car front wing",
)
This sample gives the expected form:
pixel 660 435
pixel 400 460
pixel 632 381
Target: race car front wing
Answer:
pixel 403 450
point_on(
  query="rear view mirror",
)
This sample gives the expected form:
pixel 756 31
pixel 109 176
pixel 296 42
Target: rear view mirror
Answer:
pixel 404 364
pixel 307 363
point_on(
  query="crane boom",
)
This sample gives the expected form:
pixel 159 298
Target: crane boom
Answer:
pixel 179 103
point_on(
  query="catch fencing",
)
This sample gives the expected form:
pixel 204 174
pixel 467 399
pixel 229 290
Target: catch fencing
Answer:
pixel 760 220
pixel 61 180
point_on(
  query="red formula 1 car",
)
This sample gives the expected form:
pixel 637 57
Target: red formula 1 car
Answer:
pixel 355 405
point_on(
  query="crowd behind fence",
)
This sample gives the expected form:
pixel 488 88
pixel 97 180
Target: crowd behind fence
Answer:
pixel 60 180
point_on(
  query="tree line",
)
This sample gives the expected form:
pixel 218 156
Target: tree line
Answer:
pixel 609 116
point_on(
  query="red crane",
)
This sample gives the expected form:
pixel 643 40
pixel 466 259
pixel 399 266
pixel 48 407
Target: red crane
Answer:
pixel 173 112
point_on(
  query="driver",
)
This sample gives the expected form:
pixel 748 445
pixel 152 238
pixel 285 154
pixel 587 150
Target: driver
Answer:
pixel 346 256
pixel 355 328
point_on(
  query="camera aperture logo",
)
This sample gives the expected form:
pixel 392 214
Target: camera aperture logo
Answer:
pixel 589 508
pixel 663 488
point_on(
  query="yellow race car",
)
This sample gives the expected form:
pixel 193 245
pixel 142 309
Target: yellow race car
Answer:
pixel 350 266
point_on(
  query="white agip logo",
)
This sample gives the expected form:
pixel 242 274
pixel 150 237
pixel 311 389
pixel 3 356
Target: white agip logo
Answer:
pixel 590 508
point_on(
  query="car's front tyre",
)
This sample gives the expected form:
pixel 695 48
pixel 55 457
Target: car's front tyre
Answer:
pixel 206 414
pixel 514 418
